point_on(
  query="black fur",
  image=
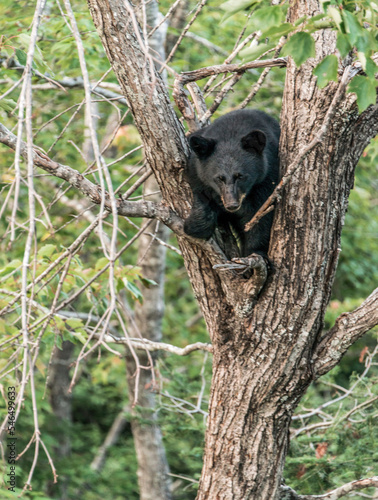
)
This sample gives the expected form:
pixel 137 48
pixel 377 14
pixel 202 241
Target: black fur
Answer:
pixel 232 170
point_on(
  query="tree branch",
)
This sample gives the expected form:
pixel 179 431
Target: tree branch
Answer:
pixel 186 77
pixel 289 494
pixel 145 209
pixel 149 345
pixel 70 83
pixel 199 74
pixel 348 328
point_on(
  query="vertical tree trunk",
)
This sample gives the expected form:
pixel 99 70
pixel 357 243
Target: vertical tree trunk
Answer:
pixel 153 479
pixel 61 404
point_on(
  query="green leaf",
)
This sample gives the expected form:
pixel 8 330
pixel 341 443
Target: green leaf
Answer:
pixel 343 44
pixel 24 40
pixel 46 251
pixel 133 289
pixel 371 68
pixel 256 51
pixel 334 13
pixel 326 70
pixel 366 43
pixel 278 31
pixel 352 26
pixel 101 263
pixel 233 6
pixel 318 22
pixel 365 89
pixel 21 56
pixel 11 266
pixel 8 105
pixel 362 58
pixel 300 47
pixel 74 323
pixel 300 20
pixel 268 17
pixel 147 282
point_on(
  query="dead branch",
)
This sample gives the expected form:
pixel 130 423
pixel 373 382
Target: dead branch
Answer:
pixel 199 74
pixel 289 494
pixel 145 209
pixel 348 328
pixel 149 345
pixel 68 83
pixel 186 77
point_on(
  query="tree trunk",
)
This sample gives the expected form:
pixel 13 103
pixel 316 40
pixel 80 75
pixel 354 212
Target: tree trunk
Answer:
pixel 264 348
pixel 61 404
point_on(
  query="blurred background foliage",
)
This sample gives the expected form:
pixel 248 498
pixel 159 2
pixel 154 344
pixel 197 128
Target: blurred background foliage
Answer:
pixel 319 458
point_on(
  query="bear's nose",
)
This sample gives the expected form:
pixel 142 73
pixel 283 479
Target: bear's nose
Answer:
pixel 231 207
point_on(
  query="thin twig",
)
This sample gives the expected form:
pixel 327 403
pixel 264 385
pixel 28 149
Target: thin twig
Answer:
pixel 184 31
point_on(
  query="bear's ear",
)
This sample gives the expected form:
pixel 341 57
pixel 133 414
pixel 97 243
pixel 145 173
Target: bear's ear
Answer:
pixel 255 141
pixel 201 146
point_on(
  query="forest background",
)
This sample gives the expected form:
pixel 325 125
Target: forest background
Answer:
pixel 335 431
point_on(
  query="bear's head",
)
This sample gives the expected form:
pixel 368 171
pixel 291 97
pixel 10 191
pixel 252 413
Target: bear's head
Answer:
pixel 230 168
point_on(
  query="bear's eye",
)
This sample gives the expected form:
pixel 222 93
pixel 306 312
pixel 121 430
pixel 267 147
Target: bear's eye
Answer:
pixel 221 178
pixel 238 176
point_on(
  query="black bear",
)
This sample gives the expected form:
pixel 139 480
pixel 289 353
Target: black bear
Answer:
pixel 232 169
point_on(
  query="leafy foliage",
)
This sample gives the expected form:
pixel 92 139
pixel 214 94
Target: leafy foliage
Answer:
pixel 356 30
pixel 326 71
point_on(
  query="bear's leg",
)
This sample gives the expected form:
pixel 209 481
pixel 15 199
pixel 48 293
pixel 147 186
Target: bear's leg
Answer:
pixel 202 219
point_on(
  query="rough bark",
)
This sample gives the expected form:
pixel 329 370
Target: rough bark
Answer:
pixel 263 349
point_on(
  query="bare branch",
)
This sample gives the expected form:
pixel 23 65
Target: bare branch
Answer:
pixel 206 43
pixel 149 345
pixel 185 30
pixel 146 209
pixel 111 438
pixel 199 74
pixel 262 77
pixel 289 494
pixel 102 89
pixel 348 328
pixel 191 76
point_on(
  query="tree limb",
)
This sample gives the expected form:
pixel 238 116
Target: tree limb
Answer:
pixel 149 345
pixel 289 494
pixel 348 328
pixel 199 74
pixel 70 83
pixel 187 77
pixel 143 208
pixel 147 209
